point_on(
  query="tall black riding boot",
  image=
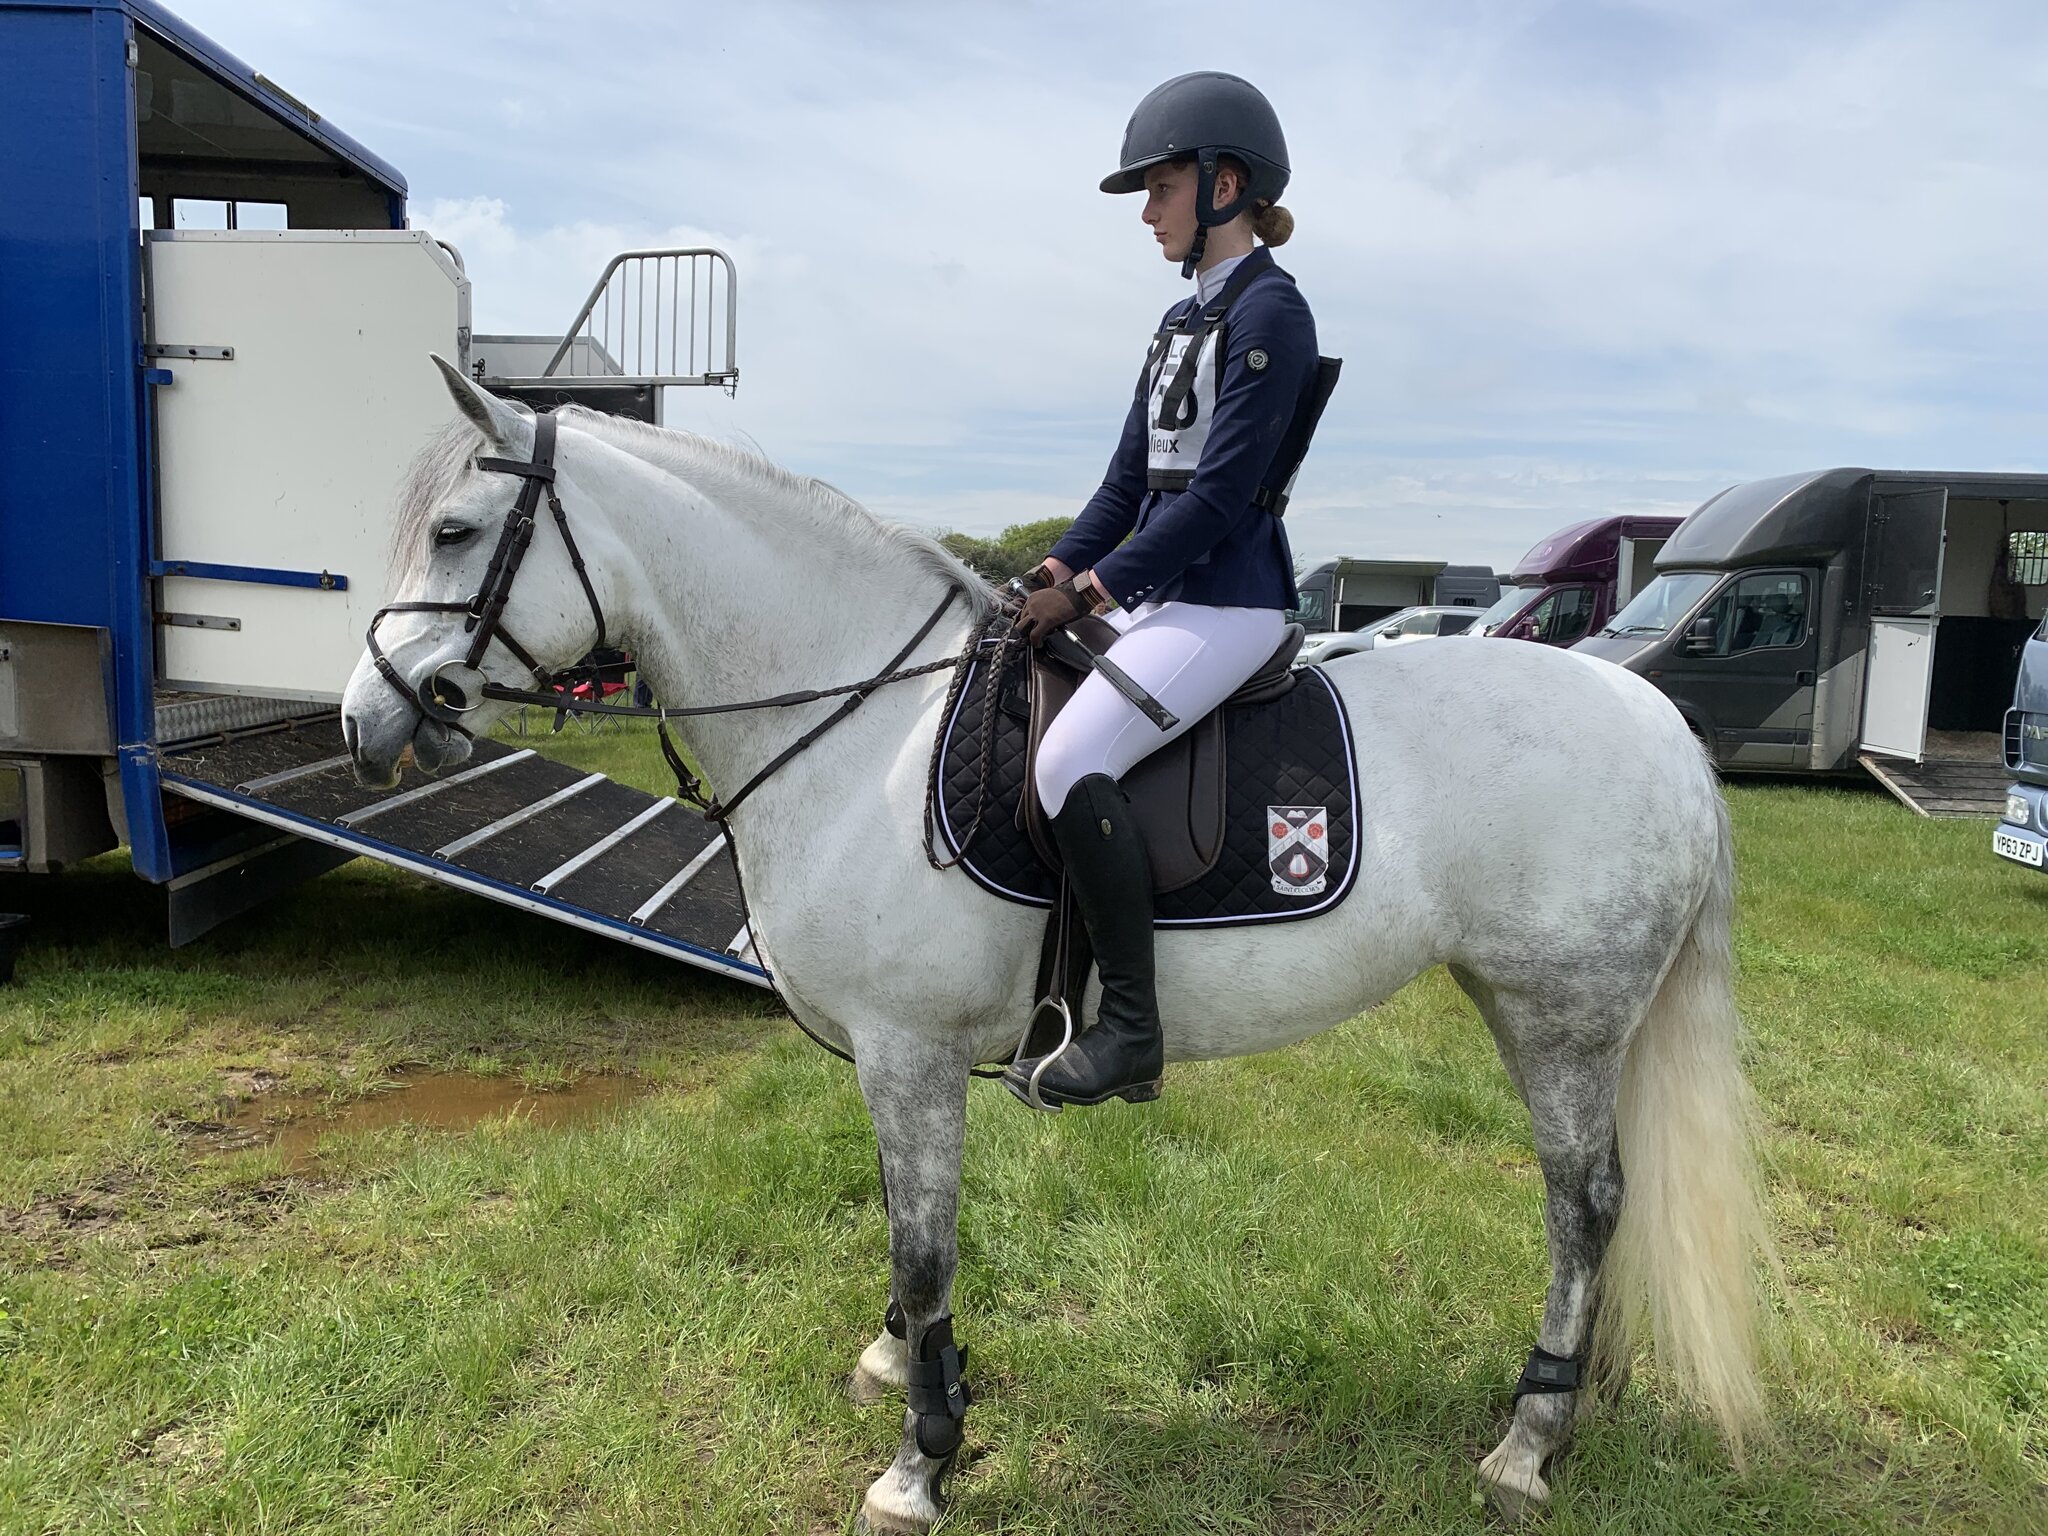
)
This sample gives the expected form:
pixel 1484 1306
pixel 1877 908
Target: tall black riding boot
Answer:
pixel 1123 1054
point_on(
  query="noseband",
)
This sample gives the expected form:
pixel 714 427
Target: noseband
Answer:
pixel 441 697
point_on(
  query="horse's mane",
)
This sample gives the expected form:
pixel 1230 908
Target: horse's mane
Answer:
pixel 446 463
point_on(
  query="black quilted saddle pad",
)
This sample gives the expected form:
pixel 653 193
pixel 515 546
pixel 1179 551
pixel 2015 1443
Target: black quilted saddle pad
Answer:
pixel 1290 840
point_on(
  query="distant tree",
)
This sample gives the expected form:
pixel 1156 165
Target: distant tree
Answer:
pixel 1031 541
pixel 1010 553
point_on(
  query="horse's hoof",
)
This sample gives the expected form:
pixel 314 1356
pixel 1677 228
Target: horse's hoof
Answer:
pixel 884 1367
pixel 864 1388
pixel 1511 1481
pixel 1514 1505
pixel 862 1526
pixel 883 1513
pixel 1515 1499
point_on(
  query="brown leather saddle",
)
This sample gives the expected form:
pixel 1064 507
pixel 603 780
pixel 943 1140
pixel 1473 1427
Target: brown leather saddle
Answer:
pixel 1177 793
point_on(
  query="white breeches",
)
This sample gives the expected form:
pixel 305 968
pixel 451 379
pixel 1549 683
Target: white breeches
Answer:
pixel 1188 656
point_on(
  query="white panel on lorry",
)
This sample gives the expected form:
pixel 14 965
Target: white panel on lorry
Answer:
pixel 1635 568
pixel 1896 678
pixel 287 455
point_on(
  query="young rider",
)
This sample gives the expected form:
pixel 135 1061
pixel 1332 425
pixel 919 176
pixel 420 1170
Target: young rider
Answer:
pixel 1184 536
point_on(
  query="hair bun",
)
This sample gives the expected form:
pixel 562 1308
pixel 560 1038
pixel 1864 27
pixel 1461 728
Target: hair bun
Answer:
pixel 1273 224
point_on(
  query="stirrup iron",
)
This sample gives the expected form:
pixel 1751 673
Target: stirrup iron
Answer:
pixel 1029 1091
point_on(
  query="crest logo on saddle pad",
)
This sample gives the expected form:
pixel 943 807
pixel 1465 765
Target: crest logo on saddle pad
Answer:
pixel 1298 848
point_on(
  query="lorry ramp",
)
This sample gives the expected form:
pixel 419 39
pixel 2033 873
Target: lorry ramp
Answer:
pixel 1962 774
pixel 509 824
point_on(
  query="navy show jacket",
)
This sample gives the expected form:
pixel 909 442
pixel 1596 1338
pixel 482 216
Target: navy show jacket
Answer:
pixel 1208 544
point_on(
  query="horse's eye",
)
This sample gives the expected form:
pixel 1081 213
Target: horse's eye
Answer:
pixel 452 533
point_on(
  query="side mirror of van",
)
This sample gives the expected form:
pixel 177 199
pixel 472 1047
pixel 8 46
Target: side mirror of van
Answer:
pixel 1700 637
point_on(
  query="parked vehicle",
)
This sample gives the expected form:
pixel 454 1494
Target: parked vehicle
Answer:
pixel 1572 582
pixel 1402 628
pixel 1344 596
pixel 198 468
pixel 1466 586
pixel 1422 624
pixel 1848 616
pixel 2022 835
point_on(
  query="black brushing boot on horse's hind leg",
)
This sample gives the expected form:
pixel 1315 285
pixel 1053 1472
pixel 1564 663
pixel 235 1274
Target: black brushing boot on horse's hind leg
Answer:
pixel 1123 1054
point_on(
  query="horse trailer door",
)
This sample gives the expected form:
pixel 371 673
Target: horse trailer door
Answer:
pixel 300 389
pixel 1902 577
pixel 1897 675
pixel 1902 554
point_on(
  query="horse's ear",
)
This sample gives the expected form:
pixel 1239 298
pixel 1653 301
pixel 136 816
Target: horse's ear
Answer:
pixel 505 427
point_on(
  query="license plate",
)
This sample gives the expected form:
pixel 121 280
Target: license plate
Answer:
pixel 2025 851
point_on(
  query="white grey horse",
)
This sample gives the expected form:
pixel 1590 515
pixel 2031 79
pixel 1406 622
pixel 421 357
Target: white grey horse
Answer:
pixel 1542 824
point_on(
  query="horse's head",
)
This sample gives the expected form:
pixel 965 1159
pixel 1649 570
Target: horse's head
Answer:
pixel 450 556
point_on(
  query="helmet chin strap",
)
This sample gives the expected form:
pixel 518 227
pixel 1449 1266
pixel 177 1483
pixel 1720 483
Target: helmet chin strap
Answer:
pixel 1207 214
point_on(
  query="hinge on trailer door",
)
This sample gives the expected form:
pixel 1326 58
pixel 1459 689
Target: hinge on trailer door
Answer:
pixel 191 353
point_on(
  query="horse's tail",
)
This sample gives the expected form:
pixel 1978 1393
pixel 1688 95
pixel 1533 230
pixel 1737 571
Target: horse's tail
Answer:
pixel 1692 1231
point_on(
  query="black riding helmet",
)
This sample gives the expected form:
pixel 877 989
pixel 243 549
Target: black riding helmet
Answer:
pixel 1203 116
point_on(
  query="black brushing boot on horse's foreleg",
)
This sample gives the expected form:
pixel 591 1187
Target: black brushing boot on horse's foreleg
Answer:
pixel 1123 1054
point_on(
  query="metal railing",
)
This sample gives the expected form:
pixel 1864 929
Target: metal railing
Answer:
pixel 668 317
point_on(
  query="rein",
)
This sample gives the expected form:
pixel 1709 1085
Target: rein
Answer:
pixel 442 698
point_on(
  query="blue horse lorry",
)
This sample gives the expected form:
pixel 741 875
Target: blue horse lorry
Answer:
pixel 219 324
pixel 2022 834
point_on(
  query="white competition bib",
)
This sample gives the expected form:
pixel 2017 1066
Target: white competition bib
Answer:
pixel 1180 402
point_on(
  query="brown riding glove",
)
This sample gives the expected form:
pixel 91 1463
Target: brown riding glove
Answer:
pixel 1050 608
pixel 1038 578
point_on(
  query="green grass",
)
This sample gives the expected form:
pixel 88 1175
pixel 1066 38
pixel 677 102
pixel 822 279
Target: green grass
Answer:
pixel 1288 1298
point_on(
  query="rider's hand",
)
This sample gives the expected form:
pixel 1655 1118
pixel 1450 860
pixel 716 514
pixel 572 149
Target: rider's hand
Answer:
pixel 1038 578
pixel 1050 608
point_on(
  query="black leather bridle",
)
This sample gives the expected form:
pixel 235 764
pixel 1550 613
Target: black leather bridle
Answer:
pixel 443 700
pixel 436 695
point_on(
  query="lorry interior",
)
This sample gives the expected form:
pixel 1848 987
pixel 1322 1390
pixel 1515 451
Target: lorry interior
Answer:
pixel 1988 606
pixel 213 156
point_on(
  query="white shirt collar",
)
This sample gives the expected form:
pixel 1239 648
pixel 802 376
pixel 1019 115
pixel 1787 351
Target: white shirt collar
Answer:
pixel 1209 283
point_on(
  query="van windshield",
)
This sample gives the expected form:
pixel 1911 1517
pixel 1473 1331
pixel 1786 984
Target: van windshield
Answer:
pixel 1662 603
pixel 1512 600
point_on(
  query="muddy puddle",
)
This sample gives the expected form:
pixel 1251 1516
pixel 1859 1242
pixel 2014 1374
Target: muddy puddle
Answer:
pixel 439 1101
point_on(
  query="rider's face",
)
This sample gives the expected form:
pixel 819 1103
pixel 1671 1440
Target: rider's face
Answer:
pixel 1170 207
pixel 1170 203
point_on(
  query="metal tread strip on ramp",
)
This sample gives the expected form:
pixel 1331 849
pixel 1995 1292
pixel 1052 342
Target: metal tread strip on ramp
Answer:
pixel 510 825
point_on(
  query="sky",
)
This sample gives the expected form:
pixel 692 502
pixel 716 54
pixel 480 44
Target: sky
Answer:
pixel 1579 258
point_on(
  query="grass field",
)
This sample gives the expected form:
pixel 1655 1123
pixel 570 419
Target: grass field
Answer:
pixel 1290 1297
